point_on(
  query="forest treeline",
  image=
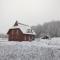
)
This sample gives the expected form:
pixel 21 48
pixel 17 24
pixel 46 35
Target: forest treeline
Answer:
pixel 52 28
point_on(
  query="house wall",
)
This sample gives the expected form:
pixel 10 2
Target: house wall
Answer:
pixel 26 37
pixel 19 36
pixel 29 37
pixel 14 36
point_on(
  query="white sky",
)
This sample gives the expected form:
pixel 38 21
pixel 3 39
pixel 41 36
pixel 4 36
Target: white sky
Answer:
pixel 31 12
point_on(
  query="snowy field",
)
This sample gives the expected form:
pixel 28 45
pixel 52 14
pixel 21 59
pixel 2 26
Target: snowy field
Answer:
pixel 36 50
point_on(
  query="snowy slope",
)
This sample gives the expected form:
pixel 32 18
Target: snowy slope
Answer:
pixel 36 50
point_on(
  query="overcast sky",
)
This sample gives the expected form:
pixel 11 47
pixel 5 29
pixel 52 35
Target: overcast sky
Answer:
pixel 31 12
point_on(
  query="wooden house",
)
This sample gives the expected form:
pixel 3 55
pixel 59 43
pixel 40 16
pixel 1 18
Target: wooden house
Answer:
pixel 20 32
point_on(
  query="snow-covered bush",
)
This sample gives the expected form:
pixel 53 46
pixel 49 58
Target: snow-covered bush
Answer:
pixel 29 51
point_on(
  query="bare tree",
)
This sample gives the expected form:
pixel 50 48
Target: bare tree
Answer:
pixel 53 28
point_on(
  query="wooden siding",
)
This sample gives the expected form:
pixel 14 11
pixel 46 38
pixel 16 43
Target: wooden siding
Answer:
pixel 15 35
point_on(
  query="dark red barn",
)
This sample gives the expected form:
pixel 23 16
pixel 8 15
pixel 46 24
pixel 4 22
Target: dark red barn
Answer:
pixel 20 32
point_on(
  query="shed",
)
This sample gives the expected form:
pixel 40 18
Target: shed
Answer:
pixel 45 36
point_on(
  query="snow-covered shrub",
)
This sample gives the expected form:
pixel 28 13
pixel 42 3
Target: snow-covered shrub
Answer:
pixel 28 51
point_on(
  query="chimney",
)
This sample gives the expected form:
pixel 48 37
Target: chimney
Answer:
pixel 16 23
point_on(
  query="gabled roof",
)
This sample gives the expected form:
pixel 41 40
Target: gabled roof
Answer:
pixel 24 28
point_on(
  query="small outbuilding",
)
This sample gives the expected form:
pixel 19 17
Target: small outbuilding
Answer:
pixel 45 36
pixel 20 32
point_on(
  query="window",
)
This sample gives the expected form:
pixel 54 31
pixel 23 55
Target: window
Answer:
pixel 29 38
pixel 29 31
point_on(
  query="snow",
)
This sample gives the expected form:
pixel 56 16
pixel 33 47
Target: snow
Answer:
pixel 36 50
pixel 24 29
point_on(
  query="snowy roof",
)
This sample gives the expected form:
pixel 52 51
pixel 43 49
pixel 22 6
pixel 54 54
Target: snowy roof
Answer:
pixel 24 28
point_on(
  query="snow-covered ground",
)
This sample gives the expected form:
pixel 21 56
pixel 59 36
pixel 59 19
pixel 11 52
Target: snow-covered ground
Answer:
pixel 36 50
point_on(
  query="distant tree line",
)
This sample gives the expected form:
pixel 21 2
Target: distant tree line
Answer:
pixel 3 36
pixel 52 28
